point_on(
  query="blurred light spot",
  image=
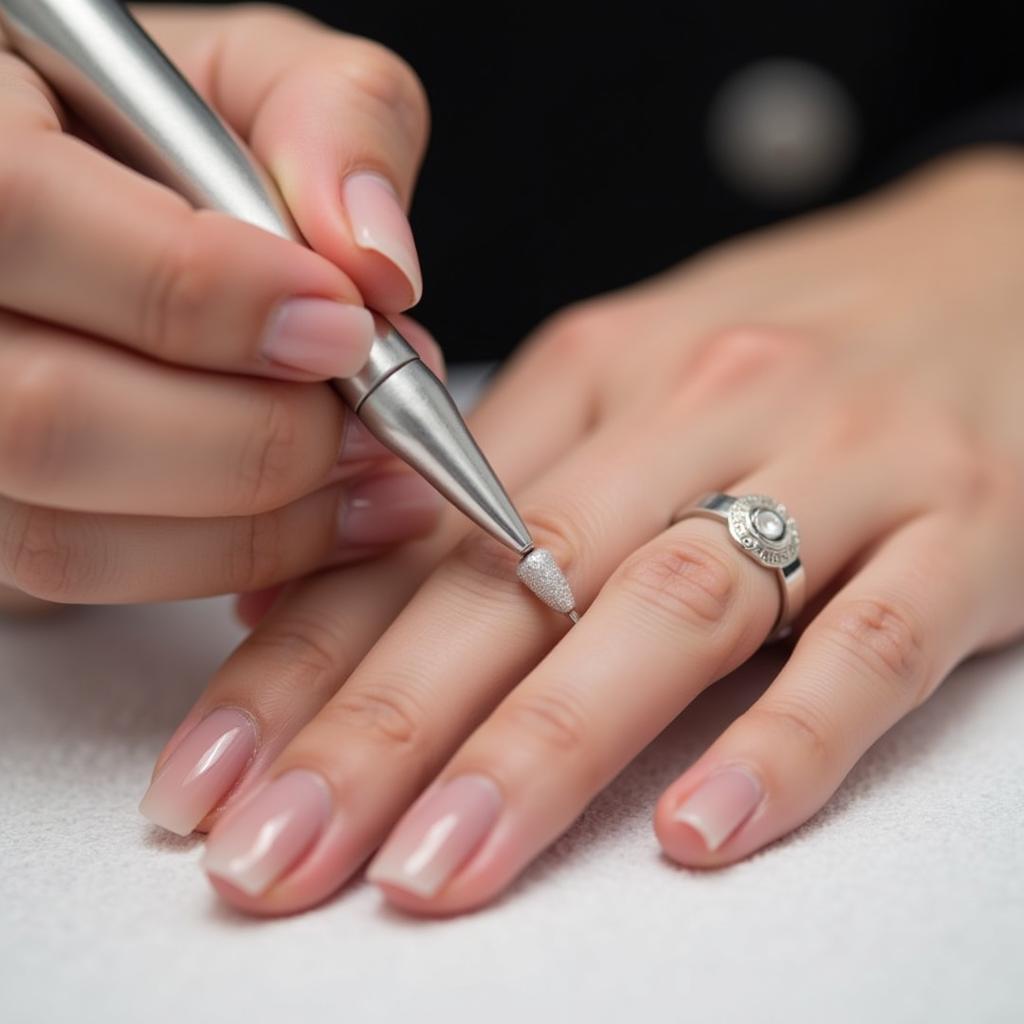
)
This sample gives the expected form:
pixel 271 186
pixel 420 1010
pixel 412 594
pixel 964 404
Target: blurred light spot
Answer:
pixel 782 131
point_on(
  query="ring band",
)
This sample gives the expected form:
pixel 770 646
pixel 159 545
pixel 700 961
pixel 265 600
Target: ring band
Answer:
pixel 764 530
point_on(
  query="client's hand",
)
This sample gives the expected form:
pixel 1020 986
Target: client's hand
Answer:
pixel 158 434
pixel 862 366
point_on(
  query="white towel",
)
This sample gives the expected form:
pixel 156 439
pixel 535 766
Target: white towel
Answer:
pixel 900 901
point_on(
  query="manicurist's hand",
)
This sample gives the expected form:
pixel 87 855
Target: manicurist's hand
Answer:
pixel 862 366
pixel 160 436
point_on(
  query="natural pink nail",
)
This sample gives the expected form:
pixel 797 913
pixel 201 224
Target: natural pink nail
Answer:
pixel 358 443
pixel 379 224
pixel 258 841
pixel 319 336
pixel 719 805
pixel 201 769
pixel 384 509
pixel 438 836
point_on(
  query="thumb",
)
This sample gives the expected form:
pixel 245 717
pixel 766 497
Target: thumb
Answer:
pixel 341 123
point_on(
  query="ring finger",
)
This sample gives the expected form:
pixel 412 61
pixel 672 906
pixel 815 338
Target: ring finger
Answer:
pixel 874 653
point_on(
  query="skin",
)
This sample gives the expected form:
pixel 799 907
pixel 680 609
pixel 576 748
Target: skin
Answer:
pixel 873 348
pixel 138 414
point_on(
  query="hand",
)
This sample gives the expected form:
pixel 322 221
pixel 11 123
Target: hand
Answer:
pixel 862 365
pixel 159 437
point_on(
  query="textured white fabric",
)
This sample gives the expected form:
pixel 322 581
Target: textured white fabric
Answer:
pixel 901 901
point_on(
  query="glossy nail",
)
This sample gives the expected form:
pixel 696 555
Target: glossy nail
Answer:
pixel 200 770
pixel 379 224
pixel 257 842
pixel 438 836
pixel 385 509
pixel 720 804
pixel 319 336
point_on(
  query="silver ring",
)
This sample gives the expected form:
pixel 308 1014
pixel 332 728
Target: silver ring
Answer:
pixel 764 530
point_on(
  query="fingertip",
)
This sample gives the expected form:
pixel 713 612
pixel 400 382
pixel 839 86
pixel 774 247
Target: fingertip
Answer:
pixel 16 603
pixel 697 819
pixel 239 900
pixel 319 338
pixel 405 902
pixel 251 607
pixel 358 448
pixel 391 278
pixel 384 286
pixel 391 508
pixel 360 227
pixel 681 842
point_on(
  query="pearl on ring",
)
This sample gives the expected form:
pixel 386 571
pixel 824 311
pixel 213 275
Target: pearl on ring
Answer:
pixel 768 523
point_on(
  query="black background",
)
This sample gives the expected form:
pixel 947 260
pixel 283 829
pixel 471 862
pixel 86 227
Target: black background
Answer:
pixel 568 153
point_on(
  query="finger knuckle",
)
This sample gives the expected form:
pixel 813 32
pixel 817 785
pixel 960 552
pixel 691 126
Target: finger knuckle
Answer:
pixel 301 654
pixel 882 637
pixel 37 403
pixel 180 287
pixel 388 714
pixel 255 552
pixel 554 720
pixel 33 105
pixel 733 359
pixel 43 560
pixel 576 333
pixel 686 580
pixel 267 468
pixel 386 79
pixel 798 722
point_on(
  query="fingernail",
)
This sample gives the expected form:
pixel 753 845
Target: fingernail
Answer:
pixel 437 837
pixel 387 508
pixel 719 805
pixel 320 336
pixel 358 443
pixel 255 844
pixel 379 224
pixel 202 768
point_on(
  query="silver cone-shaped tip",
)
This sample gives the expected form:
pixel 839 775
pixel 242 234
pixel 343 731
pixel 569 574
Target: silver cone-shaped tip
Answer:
pixel 412 413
